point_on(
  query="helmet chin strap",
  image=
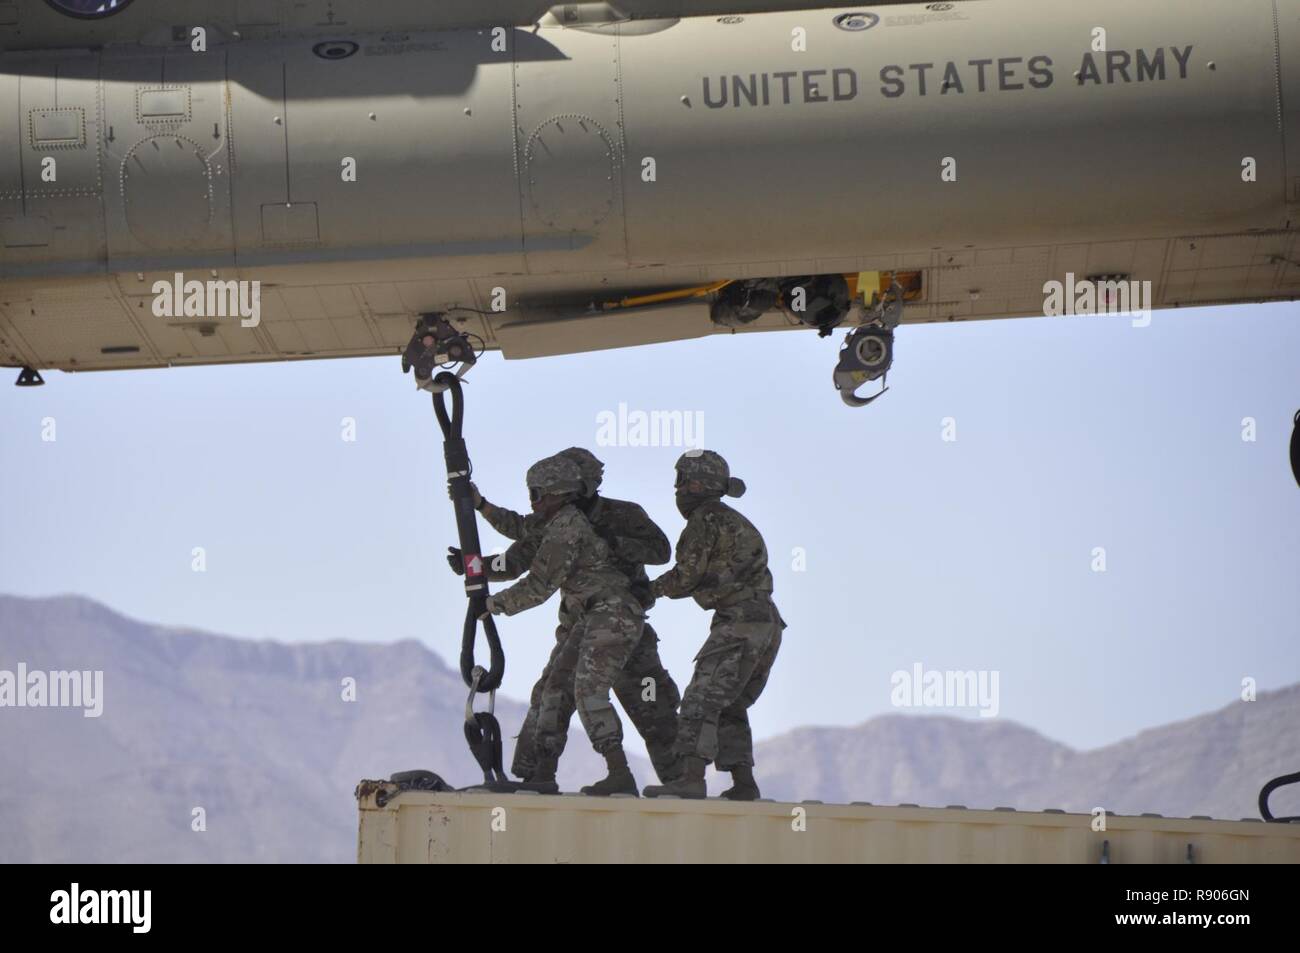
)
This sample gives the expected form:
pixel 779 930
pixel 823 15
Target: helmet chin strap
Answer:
pixel 688 503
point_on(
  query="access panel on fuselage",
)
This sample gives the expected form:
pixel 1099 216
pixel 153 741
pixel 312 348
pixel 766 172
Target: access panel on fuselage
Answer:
pixel 400 148
pixel 51 171
pixel 569 130
pixel 167 195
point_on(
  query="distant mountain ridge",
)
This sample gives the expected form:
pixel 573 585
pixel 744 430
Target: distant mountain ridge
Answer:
pixel 1211 765
pixel 258 736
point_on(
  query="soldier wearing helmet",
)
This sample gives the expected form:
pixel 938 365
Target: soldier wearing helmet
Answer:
pixel 606 620
pixel 634 540
pixel 722 565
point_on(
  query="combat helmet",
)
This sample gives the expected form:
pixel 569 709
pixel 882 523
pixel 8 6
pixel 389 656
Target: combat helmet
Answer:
pixel 593 471
pixel 709 469
pixel 557 475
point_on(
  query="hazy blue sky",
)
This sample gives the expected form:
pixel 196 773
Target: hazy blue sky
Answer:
pixel 1072 433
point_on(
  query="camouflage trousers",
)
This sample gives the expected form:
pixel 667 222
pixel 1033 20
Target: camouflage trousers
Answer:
pixel 608 646
pixel 731 671
pixel 651 705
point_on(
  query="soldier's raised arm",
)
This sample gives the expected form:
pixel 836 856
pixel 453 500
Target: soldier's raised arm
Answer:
pixel 508 523
pixel 693 549
pixel 514 562
pixel 547 572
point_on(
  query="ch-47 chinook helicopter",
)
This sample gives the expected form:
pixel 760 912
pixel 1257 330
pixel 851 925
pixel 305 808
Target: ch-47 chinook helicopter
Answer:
pixel 221 181
pixel 212 181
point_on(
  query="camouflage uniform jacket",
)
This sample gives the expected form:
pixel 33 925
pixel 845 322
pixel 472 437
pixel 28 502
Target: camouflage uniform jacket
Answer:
pixel 570 557
pixel 721 560
pixel 632 537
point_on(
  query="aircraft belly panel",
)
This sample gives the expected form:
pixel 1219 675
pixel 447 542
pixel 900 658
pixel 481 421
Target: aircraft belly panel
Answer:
pixel 80 323
pixel 571 335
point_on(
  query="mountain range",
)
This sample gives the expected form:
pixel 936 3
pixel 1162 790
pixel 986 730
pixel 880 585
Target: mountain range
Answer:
pixel 259 744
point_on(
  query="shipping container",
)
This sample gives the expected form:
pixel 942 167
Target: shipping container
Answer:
pixel 452 827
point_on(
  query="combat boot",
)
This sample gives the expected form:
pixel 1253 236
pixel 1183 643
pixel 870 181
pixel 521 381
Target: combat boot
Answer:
pixel 744 787
pixel 618 781
pixel 672 770
pixel 690 784
pixel 664 756
pixel 542 777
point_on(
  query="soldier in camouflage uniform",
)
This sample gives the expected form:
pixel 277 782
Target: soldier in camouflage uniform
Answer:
pixel 634 540
pixel 722 564
pixel 606 619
